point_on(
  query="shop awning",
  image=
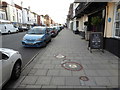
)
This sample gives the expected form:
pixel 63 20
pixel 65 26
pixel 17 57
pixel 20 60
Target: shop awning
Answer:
pixel 87 8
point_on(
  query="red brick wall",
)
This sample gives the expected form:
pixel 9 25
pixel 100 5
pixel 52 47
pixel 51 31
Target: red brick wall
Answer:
pixel 38 20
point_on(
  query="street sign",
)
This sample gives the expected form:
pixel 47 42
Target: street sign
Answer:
pixel 96 41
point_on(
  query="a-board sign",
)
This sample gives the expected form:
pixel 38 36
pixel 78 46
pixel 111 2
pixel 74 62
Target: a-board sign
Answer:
pixel 96 40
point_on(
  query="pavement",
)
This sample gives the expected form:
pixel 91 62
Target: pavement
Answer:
pixel 53 69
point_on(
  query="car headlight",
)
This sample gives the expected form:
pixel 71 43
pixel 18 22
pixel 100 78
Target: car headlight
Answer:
pixel 39 39
pixel 24 39
pixel 17 52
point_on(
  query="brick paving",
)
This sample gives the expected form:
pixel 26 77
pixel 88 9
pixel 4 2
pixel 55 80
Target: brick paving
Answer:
pixel 46 71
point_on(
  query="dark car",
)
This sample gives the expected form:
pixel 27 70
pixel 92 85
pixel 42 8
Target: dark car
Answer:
pixel 52 31
pixel 36 37
pixel 23 28
pixel 59 29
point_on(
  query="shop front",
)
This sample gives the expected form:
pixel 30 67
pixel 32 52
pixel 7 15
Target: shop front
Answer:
pixel 112 31
pixel 103 17
pixel 96 18
pixel 95 12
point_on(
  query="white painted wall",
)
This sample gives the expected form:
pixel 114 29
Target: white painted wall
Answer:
pixel 81 22
pixel 74 20
pixel 10 13
pixel 19 16
pixel 74 24
pixel 25 19
pixel 42 20
pixel 2 15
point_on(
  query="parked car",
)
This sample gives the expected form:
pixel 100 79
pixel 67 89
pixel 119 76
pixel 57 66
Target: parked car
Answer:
pixel 56 29
pixel 52 31
pixel 36 37
pixel 10 65
pixel 59 29
pixel 22 28
pixel 7 27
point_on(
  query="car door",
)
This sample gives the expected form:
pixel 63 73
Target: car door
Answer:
pixel 0 70
pixel 47 35
pixel 5 67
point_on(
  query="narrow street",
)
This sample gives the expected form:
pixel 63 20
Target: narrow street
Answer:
pixel 64 62
pixel 59 44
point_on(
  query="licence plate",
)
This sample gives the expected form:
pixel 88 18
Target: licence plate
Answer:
pixel 30 43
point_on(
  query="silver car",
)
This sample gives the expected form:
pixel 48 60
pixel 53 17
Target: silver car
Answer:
pixel 10 65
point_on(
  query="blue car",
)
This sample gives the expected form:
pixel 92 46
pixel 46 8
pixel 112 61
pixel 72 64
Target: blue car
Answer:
pixel 36 37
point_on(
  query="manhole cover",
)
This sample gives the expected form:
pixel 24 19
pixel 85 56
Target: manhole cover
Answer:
pixel 60 56
pixel 73 66
pixel 84 78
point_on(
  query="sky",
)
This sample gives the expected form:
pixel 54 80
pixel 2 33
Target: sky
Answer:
pixel 56 9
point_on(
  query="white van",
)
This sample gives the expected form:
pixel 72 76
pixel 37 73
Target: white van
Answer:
pixel 7 27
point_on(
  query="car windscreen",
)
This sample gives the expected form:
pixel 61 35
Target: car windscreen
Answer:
pixel 49 29
pixel 37 31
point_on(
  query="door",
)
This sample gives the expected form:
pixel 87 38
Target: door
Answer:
pixel 0 73
pixel 47 35
pixel 5 67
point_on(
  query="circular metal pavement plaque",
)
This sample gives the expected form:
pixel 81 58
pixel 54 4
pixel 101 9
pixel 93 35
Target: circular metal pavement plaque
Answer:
pixel 73 66
pixel 84 78
pixel 60 56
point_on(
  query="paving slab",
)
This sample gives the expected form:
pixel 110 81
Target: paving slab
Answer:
pixel 41 72
pixel 29 80
pixel 43 80
pixel 53 73
pixel 102 81
pixel 65 73
pixel 58 81
pixel 73 81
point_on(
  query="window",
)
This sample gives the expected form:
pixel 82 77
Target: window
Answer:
pixel 13 18
pixel 117 21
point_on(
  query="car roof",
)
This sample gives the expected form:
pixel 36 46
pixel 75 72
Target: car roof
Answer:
pixel 39 27
pixel 49 27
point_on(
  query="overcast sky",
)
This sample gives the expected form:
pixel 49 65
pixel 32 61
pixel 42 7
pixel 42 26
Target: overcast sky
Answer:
pixel 56 9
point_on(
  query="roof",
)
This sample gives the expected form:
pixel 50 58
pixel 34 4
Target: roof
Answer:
pixel 39 27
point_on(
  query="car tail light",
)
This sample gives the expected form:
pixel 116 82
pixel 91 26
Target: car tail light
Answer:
pixel 53 32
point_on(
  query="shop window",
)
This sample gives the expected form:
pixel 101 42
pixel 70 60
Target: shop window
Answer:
pixel 117 21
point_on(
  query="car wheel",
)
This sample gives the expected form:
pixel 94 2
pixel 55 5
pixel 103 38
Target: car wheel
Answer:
pixel 16 71
pixel 44 44
pixel 50 40
pixel 9 32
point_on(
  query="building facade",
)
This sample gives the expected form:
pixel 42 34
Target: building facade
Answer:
pixel 108 16
pixel 22 16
